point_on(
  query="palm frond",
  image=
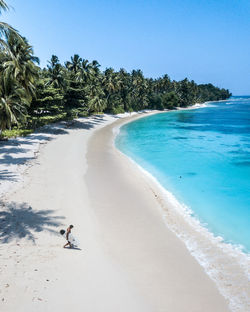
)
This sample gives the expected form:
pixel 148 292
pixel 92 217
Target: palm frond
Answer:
pixel 3 6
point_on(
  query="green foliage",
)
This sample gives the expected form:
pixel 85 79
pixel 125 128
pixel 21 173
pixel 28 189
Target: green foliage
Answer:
pixel 208 92
pixel 56 74
pixel 72 114
pixel 156 102
pixel 16 132
pixel 170 100
pixel 75 95
pixel 118 110
pixel 13 102
pixel 21 63
pixel 35 122
pixel 5 29
pixel 17 75
pixel 48 100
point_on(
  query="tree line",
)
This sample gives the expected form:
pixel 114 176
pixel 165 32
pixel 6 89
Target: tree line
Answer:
pixel 31 96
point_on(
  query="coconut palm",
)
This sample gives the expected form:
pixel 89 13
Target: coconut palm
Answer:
pixel 75 65
pixel 109 81
pixel 94 69
pixel 56 73
pixel 139 92
pixel 111 84
pixel 13 103
pixel 96 97
pixel 3 5
pixel 125 88
pixel 22 66
pixel 96 104
pixel 85 73
pixel 5 28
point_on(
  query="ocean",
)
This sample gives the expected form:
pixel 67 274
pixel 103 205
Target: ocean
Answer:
pixel 202 157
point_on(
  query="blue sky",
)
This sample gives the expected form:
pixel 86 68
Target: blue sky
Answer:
pixel 203 40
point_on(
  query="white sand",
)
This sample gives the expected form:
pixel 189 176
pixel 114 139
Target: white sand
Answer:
pixel 128 259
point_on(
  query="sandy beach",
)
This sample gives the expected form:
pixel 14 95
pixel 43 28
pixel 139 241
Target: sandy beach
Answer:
pixel 127 258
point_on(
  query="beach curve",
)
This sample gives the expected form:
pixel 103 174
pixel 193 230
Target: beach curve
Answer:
pixel 120 264
pixel 225 263
pixel 136 237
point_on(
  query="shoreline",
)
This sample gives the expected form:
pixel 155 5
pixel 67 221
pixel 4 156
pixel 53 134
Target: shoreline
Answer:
pixel 54 194
pixel 132 228
pixel 226 264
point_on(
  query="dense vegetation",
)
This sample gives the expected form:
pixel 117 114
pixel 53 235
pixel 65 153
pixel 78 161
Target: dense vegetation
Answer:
pixel 31 96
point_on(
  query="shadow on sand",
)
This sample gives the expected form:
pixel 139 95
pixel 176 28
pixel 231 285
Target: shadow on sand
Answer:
pixel 10 150
pixel 88 124
pixel 6 175
pixel 19 221
pixel 72 248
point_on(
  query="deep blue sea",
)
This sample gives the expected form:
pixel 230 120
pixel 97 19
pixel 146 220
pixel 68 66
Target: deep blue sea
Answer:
pixel 202 156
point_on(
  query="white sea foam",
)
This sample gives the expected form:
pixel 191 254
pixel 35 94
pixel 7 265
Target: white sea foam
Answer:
pixel 197 106
pixel 225 263
pixel 116 131
pixel 240 98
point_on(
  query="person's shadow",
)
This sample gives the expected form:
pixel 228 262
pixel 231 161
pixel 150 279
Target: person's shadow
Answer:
pixel 21 221
pixel 73 248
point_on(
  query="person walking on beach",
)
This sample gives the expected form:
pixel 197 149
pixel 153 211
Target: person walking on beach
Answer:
pixel 67 236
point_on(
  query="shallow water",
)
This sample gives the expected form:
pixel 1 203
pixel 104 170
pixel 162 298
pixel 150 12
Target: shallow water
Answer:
pixel 202 157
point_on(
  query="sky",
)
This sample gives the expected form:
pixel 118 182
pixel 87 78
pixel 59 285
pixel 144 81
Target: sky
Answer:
pixel 204 40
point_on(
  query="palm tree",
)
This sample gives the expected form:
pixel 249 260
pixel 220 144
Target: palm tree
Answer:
pixel 96 97
pixel 85 71
pixel 13 103
pixel 95 71
pixel 5 29
pixel 3 5
pixel 75 64
pixel 22 65
pixel 140 90
pixel 125 88
pixel 96 104
pixel 111 83
pixel 55 73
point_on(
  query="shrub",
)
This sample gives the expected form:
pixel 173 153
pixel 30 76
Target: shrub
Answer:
pixel 16 132
pixel 117 110
pixel 35 122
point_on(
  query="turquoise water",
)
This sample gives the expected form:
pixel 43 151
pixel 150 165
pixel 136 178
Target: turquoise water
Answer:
pixel 202 156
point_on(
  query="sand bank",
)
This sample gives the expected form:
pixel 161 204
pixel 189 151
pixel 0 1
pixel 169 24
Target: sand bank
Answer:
pixel 127 259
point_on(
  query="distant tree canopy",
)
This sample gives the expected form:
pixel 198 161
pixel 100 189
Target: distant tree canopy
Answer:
pixel 80 87
pixel 31 96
